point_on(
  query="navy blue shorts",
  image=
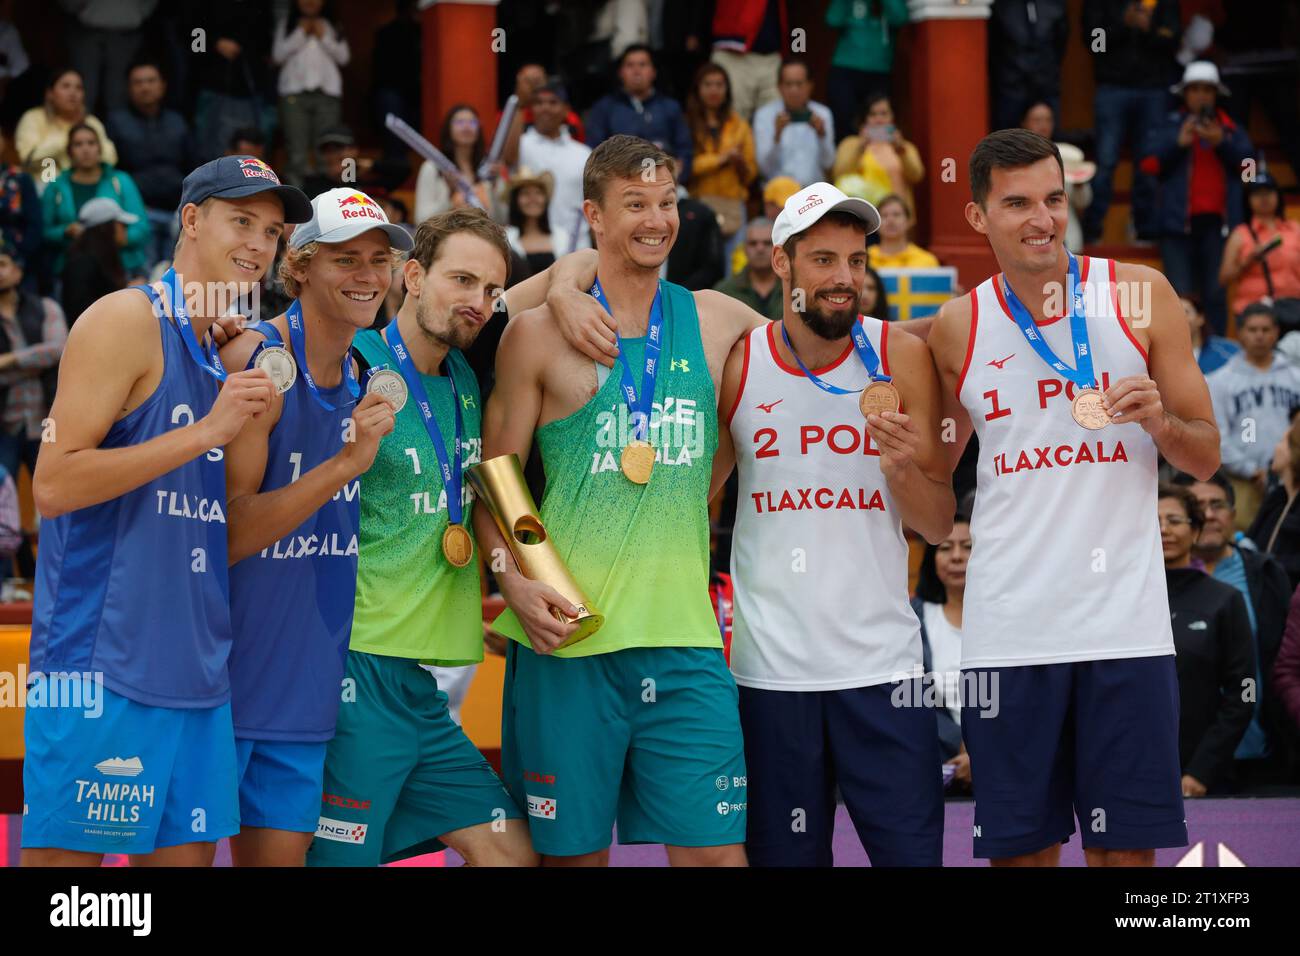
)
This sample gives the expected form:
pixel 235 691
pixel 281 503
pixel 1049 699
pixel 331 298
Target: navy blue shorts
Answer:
pixel 1094 738
pixel 885 759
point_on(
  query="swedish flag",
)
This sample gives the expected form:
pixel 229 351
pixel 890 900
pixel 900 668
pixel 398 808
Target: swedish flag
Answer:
pixel 916 293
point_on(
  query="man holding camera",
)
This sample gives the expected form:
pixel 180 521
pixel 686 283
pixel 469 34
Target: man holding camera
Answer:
pixel 794 135
pixel 1197 155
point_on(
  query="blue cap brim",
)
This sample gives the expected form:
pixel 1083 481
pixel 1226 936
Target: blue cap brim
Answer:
pixel 297 207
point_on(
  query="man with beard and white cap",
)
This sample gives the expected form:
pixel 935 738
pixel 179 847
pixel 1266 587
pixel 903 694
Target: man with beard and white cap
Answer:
pixel 832 418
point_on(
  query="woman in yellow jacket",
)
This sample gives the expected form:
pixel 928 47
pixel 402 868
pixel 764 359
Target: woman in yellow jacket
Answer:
pixel 877 160
pixel 724 166
pixel 42 132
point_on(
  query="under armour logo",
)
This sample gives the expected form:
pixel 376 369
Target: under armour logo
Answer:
pixel 683 365
pixel 467 401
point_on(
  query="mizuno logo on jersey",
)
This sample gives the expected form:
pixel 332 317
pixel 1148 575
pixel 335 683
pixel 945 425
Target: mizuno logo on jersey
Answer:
pixel 998 363
pixel 770 405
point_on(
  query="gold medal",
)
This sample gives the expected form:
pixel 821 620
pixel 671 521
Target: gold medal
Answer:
pixel 638 460
pixel 1089 409
pixel 457 545
pixel 878 398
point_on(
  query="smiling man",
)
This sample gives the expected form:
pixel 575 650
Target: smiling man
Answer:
pixel 821 638
pixel 1066 611
pixel 131 581
pixel 292 477
pixel 638 722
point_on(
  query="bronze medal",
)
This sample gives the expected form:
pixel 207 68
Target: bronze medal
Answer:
pixel 457 545
pixel 638 460
pixel 878 398
pixel 1089 409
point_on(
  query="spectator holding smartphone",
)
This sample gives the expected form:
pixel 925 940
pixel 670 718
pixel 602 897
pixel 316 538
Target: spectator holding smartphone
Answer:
pixel 877 160
pixel 1263 253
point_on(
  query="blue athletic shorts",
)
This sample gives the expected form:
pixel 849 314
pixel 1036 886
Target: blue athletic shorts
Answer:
pixel 885 759
pixel 1096 739
pixel 647 736
pixel 280 783
pixel 110 775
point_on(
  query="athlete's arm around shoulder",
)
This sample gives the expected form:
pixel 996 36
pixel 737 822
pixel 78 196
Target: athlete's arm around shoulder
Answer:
pixel 948 340
pixel 1172 403
pixel 724 459
pixel 112 363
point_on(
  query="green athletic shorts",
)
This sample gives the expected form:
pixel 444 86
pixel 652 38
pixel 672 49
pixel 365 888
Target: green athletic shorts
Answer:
pixel 399 772
pixel 648 737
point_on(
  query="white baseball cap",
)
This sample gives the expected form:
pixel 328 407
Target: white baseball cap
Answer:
pixel 102 209
pixel 809 204
pixel 342 214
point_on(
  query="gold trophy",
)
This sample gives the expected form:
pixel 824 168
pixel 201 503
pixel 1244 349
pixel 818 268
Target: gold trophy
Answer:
pixel 499 482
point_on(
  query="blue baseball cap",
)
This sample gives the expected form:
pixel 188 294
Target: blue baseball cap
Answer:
pixel 235 177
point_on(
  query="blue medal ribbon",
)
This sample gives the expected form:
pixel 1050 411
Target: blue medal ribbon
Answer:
pixel 639 405
pixel 451 469
pixel 861 344
pixel 1082 375
pixel 298 335
pixel 206 357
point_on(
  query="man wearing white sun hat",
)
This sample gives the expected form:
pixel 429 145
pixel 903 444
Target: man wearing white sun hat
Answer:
pixel 292 476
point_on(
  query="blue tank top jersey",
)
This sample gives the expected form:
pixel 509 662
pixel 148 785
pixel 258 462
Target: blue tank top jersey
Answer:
pixel 291 603
pixel 136 589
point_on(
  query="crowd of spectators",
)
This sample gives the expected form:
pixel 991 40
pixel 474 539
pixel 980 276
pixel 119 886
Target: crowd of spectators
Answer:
pixel 88 206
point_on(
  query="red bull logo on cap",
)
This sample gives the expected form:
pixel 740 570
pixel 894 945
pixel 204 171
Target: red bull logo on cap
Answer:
pixel 360 206
pixel 254 167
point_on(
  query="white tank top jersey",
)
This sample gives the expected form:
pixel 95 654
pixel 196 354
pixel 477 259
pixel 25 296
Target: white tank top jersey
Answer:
pixel 1066 563
pixel 818 559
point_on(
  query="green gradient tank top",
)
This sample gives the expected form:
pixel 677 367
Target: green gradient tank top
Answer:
pixel 411 601
pixel 640 552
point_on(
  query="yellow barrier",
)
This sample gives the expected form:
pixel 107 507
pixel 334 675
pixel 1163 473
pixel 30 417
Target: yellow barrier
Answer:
pixel 14 639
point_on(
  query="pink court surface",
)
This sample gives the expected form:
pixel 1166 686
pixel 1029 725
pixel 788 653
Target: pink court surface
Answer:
pixel 1242 832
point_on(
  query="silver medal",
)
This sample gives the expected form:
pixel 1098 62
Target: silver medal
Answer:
pixel 277 361
pixel 391 386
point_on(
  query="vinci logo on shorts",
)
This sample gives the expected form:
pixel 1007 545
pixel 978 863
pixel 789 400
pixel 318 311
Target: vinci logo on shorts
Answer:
pixel 341 831
pixel 543 807
pixel 251 166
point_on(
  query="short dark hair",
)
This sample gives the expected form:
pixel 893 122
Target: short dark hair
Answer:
pixel 895 198
pixel 1183 495
pixel 619 157
pixel 247 134
pixel 1219 478
pixel 1007 149
pixel 144 61
pixel 839 217
pixel 635 48
pixel 1246 314
pixel 432 234
pixel 794 61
